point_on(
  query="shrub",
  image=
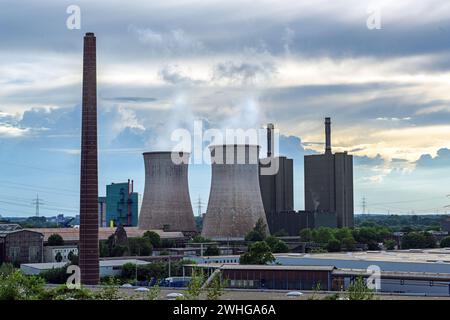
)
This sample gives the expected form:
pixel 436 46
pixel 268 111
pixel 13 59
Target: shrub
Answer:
pixel 55 240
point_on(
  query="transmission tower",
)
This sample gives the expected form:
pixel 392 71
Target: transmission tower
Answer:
pixel 199 204
pixel 37 202
pixel 364 205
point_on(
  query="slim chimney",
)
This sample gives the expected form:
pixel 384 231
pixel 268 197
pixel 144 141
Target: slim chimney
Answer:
pixel 88 246
pixel 327 135
pixel 270 142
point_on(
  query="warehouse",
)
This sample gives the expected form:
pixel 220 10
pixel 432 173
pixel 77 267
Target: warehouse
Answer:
pixel 20 246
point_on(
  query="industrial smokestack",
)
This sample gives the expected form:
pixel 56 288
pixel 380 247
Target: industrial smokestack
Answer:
pixel 89 252
pixel 270 140
pixel 327 135
pixel 235 203
pixel 166 204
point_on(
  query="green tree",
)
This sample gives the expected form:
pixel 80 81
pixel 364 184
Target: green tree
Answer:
pixel 215 288
pixel 418 240
pixel 358 290
pixel 389 244
pixel 258 253
pixel 445 243
pixel 258 233
pixel 154 238
pixel 334 245
pixel 194 288
pixel 55 240
pixel 140 246
pixel 349 243
pixel 306 235
pixel 322 235
pixel 343 233
pixel 276 245
pixel 6 269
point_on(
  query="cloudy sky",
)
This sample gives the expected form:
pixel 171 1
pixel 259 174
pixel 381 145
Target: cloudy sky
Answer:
pixel 230 64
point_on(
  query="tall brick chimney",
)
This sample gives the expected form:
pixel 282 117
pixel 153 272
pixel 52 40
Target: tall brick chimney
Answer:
pixel 88 245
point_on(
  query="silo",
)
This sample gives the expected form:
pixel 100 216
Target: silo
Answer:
pixel 166 203
pixel 235 203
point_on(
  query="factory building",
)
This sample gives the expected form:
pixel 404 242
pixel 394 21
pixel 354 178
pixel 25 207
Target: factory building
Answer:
pixel 120 206
pixel 329 182
pixel 20 246
pixel 277 190
pixel 166 203
pixel 235 203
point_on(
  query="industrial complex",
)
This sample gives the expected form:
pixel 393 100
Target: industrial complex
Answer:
pixel 113 229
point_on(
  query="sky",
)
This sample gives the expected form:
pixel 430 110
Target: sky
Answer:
pixel 162 65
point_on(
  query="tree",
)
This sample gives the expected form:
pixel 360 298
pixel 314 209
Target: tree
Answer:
pixel 276 245
pixel 334 245
pixel 199 239
pixel 418 240
pixel 258 253
pixel 358 290
pixel 141 246
pixel 258 233
pixel 194 288
pixel 445 243
pixel 215 288
pixel 322 235
pixel 6 269
pixel 343 233
pixel 212 250
pixel 154 238
pixel 55 240
pixel 349 243
pixel 389 244
pixel 306 235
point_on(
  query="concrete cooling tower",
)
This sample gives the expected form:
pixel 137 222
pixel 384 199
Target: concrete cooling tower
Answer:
pixel 235 203
pixel 166 203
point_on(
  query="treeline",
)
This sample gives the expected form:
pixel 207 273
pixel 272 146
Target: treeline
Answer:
pixel 402 223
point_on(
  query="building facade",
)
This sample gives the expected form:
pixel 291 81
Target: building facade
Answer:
pixel 329 183
pixel 21 246
pixel 120 206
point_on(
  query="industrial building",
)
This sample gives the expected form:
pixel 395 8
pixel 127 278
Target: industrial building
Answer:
pixel 166 204
pixel 120 206
pixel 329 182
pixel 106 267
pixel 18 245
pixel 235 203
pixel 62 253
pixel 71 236
pixel 291 222
pixel 277 190
pixel 88 246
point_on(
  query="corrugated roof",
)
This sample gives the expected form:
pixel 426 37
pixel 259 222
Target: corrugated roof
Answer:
pixel 73 234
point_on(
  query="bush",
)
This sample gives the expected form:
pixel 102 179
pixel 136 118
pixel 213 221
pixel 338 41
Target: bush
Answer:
pixel 334 245
pixel 445 243
pixel 154 238
pixel 276 245
pixel 140 246
pixel 56 275
pixel 55 240
pixel 258 253
pixel 418 240
pixel 389 244
pixel 306 235
pixel 17 286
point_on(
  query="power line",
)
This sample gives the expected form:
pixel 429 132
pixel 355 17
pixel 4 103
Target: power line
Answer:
pixel 37 202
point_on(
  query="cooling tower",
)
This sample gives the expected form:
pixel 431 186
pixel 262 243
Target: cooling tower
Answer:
pixel 235 203
pixel 166 203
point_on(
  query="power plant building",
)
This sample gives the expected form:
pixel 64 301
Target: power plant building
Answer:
pixel 329 182
pixel 166 202
pixel 235 203
pixel 277 190
pixel 120 206
pixel 89 246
